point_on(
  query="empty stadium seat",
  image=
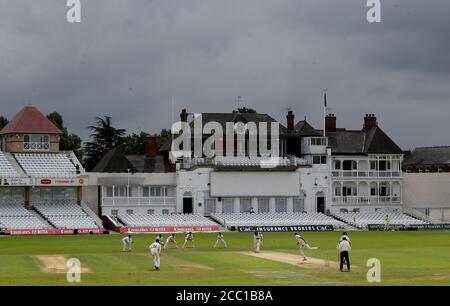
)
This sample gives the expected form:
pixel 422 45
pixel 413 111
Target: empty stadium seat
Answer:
pixel 276 219
pixel 47 165
pixel 13 215
pixel 65 214
pixel 362 220
pixel 6 169
pixel 137 220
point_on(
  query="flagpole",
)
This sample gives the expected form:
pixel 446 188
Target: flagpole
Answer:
pixel 324 112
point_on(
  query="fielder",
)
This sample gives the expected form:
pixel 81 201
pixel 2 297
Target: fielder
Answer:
pixel 221 239
pixel 127 242
pixel 189 238
pixel 387 224
pixel 171 239
pixel 155 250
pixel 257 242
pixel 161 240
pixel 345 235
pixel 344 249
pixel 303 245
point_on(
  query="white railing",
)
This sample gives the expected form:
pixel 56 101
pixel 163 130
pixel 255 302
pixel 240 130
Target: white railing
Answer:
pixel 121 201
pixel 36 146
pixel 351 200
pixel 365 174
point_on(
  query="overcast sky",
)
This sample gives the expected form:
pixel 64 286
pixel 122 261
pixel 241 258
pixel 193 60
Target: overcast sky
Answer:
pixel 128 58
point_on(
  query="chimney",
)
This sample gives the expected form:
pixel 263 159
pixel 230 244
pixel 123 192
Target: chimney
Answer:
pixel 150 147
pixel 183 115
pixel 370 121
pixel 290 120
pixel 330 123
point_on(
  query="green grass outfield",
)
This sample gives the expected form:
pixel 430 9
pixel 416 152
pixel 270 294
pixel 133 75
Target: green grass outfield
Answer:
pixel 407 258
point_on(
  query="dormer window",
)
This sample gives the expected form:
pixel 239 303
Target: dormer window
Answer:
pixel 36 142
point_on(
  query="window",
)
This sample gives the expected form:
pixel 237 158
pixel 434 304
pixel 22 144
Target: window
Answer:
pixel 384 165
pixel 146 192
pixel 263 206
pixel 319 160
pixel 150 212
pixel 337 164
pixel 318 141
pixel 299 206
pixel 129 211
pixel 373 191
pixel 281 205
pixel 36 142
pixel 121 191
pixel 165 212
pixel 158 191
pixel 210 206
pixel 373 165
pixel 228 206
pixel 109 192
pixel 115 212
pixel 349 165
pixel 337 191
pixel 246 204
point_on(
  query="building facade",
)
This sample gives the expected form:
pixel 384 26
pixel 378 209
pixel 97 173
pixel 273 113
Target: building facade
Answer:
pixel 329 171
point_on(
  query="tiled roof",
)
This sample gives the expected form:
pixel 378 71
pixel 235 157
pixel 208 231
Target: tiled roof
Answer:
pixel 30 120
pixel 429 156
pixel 116 162
pixel 372 141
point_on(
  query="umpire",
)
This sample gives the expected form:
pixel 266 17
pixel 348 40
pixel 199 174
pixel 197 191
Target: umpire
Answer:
pixel 344 249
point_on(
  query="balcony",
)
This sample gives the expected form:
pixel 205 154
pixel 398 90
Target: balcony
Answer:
pixel 138 201
pixel 252 162
pixel 367 200
pixel 363 174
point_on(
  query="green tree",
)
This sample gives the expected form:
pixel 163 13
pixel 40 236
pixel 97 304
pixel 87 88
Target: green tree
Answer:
pixel 68 141
pixel 104 137
pixel 134 143
pixel 162 138
pixel 3 122
pixel 245 110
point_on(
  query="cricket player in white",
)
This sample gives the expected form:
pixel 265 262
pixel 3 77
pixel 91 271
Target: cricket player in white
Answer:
pixel 189 238
pixel 303 245
pixel 127 242
pixel 257 242
pixel 155 250
pixel 387 222
pixel 171 239
pixel 221 239
pixel 345 235
pixel 161 240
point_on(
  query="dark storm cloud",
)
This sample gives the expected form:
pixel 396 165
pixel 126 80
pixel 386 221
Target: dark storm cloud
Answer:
pixel 128 59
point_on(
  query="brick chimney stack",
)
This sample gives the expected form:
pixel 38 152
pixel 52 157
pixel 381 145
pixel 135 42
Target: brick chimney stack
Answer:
pixel 370 121
pixel 150 147
pixel 290 120
pixel 330 123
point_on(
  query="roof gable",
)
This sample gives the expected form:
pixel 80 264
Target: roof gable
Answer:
pixel 377 142
pixel 30 120
pixel 305 129
pixel 114 162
